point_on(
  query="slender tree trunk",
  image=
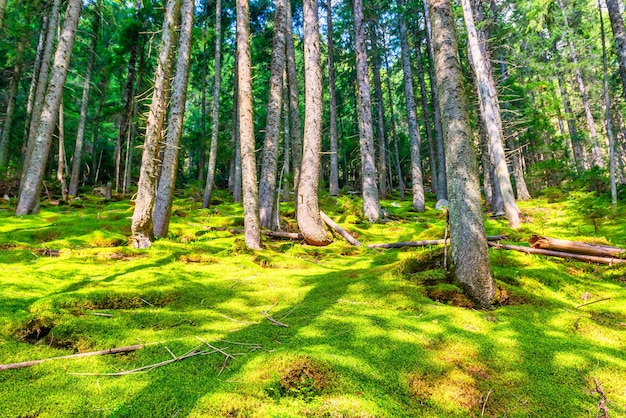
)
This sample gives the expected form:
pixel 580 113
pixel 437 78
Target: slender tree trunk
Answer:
pixel 308 212
pixel 294 107
pixel 371 203
pixel 286 142
pixel 334 149
pixel 126 115
pixel 61 158
pixel 78 148
pixel 593 135
pixel 205 63
pixel 210 179
pixel 571 125
pixel 96 127
pixel 380 113
pixel 467 232
pixel 269 165
pixel 442 182
pixel 414 132
pixel 490 112
pixel 167 180
pixel 252 235
pixel 619 36
pixel 607 105
pixel 235 138
pixel 487 169
pixel 42 83
pixel 11 102
pixel 33 172
pixel 142 226
pixel 3 5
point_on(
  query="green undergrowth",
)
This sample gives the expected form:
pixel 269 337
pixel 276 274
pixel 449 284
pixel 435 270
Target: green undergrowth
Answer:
pixel 295 330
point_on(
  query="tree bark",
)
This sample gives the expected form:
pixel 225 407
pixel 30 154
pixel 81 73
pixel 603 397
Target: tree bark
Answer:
pixel 380 111
pixel 11 102
pixel 490 111
pixel 619 36
pixel 80 133
pixel 33 172
pixel 294 107
pixel 560 254
pixel 269 165
pixel 3 5
pixel 371 203
pixel 308 212
pixel 252 234
pixel 167 180
pixel 568 246
pixel 414 130
pixel 216 106
pixel 235 138
pixel 61 168
pixel 334 148
pixel 468 242
pixel 579 158
pixel 142 226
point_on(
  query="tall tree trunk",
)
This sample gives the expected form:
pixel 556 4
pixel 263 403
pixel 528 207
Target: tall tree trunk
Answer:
pixel 619 36
pixel 334 149
pixel 269 164
pixel 467 232
pixel 371 203
pixel 33 172
pixel 294 107
pixel 61 158
pixel 235 138
pixel 252 235
pixel 596 153
pixel 414 132
pixel 11 102
pixel 380 113
pixel 167 181
pixel 308 212
pixel 607 105
pixel 205 63
pixel 142 227
pixel 286 142
pixel 210 179
pixel 577 149
pixel 3 5
pixel 102 86
pixel 80 133
pixel 490 112
pixel 42 83
pixel 487 170
pixel 442 182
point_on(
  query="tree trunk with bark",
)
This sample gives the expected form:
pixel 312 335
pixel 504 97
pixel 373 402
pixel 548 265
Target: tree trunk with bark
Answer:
pixel 210 178
pixel 235 139
pixel 142 226
pixel 5 136
pixel 371 203
pixel 308 211
pixel 467 232
pixel 252 235
pixel 178 100
pixel 3 5
pixel 490 111
pixel 414 130
pixel 33 172
pixel 619 36
pixel 381 136
pixel 577 149
pixel 294 107
pixel 61 167
pixel 269 165
pixel 80 133
pixel 334 148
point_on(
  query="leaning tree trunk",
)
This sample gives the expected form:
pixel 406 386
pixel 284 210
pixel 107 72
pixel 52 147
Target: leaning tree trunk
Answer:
pixel 334 157
pixel 142 227
pixel 252 235
pixel 619 36
pixel 414 130
pixel 308 212
pixel 80 133
pixel 11 102
pixel 596 153
pixel 490 112
pixel 269 164
pixel 33 172
pixel 210 178
pixel 468 241
pixel 167 180
pixel 371 203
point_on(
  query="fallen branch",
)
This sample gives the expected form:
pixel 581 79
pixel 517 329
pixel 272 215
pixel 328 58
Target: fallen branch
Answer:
pixel 106 315
pixel 567 246
pixel 272 320
pixel 48 252
pixel 339 230
pixel 118 350
pixel 591 303
pixel 550 253
pixel 426 242
pixel 602 402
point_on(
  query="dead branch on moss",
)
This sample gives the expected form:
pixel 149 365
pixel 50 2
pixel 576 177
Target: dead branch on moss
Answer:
pixel 604 410
pixel 576 247
pixel 331 224
pixel 271 319
pixel 118 350
pixel 591 303
pixel 560 254
pixel 426 242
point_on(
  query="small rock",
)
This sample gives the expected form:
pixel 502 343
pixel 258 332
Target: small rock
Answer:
pixel 6 198
pixel 441 204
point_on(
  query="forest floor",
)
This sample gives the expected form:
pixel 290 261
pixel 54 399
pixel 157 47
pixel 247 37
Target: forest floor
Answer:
pixel 295 330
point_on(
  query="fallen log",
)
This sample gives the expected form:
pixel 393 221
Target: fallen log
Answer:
pixel 339 230
pixel 560 254
pixel 274 234
pixel 126 349
pixel 567 246
pixel 424 243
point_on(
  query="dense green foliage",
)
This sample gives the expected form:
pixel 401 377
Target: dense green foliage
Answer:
pixel 363 336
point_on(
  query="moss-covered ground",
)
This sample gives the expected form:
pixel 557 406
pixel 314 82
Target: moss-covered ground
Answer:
pixel 303 331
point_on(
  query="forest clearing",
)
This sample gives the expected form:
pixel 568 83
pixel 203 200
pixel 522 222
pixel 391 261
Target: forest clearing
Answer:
pixel 298 330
